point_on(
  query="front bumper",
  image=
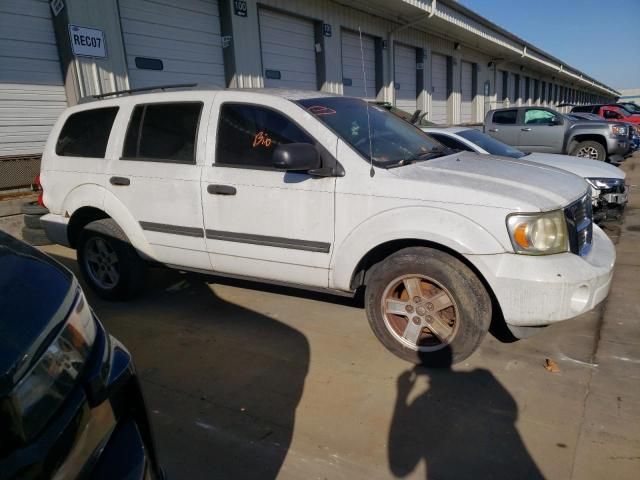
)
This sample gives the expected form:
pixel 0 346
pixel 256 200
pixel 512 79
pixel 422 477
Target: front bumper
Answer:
pixel 617 148
pixel 101 431
pixel 537 291
pixel 609 203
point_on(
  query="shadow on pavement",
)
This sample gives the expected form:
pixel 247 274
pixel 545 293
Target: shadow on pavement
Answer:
pixel 462 426
pixel 222 382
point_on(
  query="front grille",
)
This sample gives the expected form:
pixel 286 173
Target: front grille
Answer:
pixel 580 225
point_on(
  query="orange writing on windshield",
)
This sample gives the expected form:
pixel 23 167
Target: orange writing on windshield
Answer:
pixel 263 139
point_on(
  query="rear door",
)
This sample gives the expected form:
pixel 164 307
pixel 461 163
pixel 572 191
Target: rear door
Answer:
pixel 504 127
pixel 539 132
pixel 261 222
pixel 154 178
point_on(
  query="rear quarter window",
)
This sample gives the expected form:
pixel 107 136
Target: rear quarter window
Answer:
pixel 505 117
pixel 86 133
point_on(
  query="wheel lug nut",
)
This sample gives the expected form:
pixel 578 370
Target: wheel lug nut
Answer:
pixel 430 306
pixel 416 320
pixel 409 308
pixel 429 319
pixel 417 299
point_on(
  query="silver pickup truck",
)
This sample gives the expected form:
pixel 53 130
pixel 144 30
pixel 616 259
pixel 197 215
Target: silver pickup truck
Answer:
pixel 540 129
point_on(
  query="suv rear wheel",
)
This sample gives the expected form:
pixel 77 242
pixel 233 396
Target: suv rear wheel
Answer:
pixel 108 261
pixel 428 307
pixel 589 149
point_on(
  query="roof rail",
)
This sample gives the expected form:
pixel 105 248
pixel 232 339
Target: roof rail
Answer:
pixel 145 89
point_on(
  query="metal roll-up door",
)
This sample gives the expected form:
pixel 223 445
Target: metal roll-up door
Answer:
pixel 32 94
pixel 288 51
pixel 512 89
pixel 466 91
pixel 405 78
pixel 168 42
pixel 439 89
pixel 353 58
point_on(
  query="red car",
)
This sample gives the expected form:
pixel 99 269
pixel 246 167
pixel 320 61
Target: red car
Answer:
pixel 610 112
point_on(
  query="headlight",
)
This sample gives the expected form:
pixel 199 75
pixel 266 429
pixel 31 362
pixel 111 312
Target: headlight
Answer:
pixel 619 130
pixel 538 233
pixel 47 384
pixel 604 183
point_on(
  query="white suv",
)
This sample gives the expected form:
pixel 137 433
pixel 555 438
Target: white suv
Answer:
pixel 323 192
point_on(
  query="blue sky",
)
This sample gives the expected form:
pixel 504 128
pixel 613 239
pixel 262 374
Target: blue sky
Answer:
pixel 600 38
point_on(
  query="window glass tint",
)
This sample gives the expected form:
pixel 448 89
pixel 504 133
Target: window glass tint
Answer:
pixel 447 141
pixel 163 132
pixel 248 135
pixel 377 134
pixel 507 117
pixel 86 134
pixel 538 117
pixel 490 144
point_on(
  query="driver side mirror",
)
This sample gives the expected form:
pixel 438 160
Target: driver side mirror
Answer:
pixel 555 121
pixel 296 157
pixel 611 114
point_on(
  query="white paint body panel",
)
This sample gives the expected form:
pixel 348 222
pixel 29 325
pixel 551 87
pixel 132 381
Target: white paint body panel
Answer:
pixel 405 77
pixel 32 94
pixel 185 35
pixel 439 86
pixel 287 45
pixel 356 56
pixel 459 201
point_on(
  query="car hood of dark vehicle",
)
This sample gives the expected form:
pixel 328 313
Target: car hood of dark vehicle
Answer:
pixel 34 289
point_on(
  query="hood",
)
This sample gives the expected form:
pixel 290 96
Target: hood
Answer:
pixel 579 166
pixel 34 289
pixel 488 180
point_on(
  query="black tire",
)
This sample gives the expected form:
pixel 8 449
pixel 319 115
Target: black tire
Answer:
pixel 128 269
pixel 589 149
pixel 35 236
pixel 468 316
pixel 32 208
pixel 32 221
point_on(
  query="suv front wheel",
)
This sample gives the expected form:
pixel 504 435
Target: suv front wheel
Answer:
pixel 428 307
pixel 108 261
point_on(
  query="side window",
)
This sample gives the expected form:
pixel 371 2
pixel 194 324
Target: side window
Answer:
pixel 248 135
pixel 86 134
pixel 538 117
pixel 163 132
pixel 447 141
pixel 505 117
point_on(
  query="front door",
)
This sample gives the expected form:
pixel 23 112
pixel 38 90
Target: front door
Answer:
pixel 540 131
pixel 155 180
pixel 261 222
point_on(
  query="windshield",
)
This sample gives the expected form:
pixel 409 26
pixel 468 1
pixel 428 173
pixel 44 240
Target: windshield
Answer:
pixel 393 142
pixel 491 145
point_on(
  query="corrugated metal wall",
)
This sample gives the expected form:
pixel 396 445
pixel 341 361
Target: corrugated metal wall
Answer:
pixel 32 91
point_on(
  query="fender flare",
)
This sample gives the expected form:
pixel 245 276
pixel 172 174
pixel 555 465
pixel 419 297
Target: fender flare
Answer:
pixel 98 197
pixel 463 236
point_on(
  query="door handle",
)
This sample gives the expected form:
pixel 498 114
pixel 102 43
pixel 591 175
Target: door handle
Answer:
pixel 221 189
pixel 526 129
pixel 494 130
pixel 120 181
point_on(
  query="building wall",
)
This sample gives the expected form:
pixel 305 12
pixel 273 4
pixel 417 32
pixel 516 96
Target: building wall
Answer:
pixel 630 95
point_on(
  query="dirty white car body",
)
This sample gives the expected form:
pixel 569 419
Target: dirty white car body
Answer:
pixel 608 188
pixel 316 229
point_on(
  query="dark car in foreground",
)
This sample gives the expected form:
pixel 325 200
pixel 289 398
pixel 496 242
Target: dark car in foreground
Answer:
pixel 70 401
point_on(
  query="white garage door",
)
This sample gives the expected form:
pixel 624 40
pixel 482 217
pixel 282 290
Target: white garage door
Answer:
pixel 31 88
pixel 405 78
pixel 288 51
pixel 439 92
pixel 353 58
pixel 185 39
pixel 466 89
